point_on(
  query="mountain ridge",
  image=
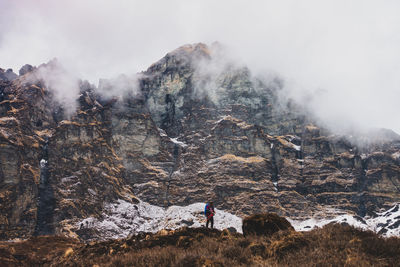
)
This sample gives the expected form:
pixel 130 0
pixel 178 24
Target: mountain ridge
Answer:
pixel 184 131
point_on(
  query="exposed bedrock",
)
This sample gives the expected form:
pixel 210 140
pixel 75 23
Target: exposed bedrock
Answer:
pixel 190 134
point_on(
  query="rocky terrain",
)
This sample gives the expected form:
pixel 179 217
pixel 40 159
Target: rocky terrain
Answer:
pixel 190 128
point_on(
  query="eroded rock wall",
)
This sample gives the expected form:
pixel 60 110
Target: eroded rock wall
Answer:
pixel 186 136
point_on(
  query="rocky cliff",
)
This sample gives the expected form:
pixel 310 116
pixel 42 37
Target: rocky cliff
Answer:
pixel 193 129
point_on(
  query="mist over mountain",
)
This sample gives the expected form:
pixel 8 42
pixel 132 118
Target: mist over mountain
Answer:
pixel 339 58
pixel 115 120
pixel 194 126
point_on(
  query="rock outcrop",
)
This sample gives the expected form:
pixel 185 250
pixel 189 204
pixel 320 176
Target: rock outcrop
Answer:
pixel 191 132
pixel 249 151
pixel 265 224
pixel 7 75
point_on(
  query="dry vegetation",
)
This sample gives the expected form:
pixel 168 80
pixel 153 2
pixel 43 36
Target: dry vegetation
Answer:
pixel 333 245
pixel 230 157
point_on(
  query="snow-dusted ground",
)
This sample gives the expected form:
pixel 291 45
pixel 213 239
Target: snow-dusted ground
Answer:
pixel 122 219
pixel 386 223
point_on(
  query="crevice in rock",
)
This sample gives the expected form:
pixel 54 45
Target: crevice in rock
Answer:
pixel 362 184
pixel 275 167
pixel 46 201
pixel 168 118
pixel 173 169
pixel 300 157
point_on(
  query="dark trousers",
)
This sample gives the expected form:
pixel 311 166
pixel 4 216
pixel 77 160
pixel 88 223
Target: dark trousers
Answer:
pixel 212 222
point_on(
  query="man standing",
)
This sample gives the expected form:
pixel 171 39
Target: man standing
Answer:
pixel 210 212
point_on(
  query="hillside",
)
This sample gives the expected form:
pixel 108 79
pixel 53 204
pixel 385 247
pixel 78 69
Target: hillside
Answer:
pixel 335 245
pixel 191 128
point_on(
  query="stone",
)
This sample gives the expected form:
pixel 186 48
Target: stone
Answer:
pixel 265 224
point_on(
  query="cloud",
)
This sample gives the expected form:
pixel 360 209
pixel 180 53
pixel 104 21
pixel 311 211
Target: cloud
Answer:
pixel 64 85
pixel 344 54
pixel 119 87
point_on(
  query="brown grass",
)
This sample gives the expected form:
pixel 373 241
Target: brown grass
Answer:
pixel 333 245
pixel 230 157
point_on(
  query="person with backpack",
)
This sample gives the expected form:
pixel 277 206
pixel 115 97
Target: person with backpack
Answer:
pixel 209 212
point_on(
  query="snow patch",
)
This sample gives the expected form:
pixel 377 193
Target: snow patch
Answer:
pixel 162 132
pixel 92 192
pixel 43 163
pixel 396 155
pixel 68 179
pixel 298 148
pixel 175 141
pixel 276 186
pixel 122 219
pixel 386 223
pixel 222 119
pixel 313 223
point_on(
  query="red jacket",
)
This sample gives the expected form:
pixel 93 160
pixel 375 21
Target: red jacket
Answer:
pixel 209 211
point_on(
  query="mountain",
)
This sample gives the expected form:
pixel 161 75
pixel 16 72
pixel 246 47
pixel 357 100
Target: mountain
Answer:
pixel 194 126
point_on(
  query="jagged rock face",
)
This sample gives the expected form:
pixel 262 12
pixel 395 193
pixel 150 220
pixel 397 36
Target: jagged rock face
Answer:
pixel 179 92
pixel 7 75
pixel 25 69
pixel 20 153
pixel 188 136
pixel 227 137
pixel 55 171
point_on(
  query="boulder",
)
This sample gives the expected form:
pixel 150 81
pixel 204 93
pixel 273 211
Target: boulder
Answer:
pixel 265 224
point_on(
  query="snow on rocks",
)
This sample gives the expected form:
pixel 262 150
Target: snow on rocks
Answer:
pixel 122 219
pixel 298 148
pixel 396 155
pixel 162 132
pixel 43 163
pixel 287 141
pixel 314 223
pixel 173 140
pixel 179 143
pixel 193 215
pixel 386 223
pixel 276 186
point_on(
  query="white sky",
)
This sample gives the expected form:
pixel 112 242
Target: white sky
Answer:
pixel 344 53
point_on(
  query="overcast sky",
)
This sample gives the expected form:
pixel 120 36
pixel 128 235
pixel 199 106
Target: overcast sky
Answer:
pixel 346 54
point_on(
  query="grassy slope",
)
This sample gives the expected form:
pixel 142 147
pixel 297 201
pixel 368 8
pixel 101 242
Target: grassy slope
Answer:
pixel 333 245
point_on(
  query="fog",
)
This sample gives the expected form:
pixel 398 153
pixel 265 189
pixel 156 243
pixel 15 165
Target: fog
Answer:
pixel 339 58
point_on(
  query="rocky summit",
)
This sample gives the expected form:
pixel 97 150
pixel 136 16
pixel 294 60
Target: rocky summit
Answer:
pixel 193 127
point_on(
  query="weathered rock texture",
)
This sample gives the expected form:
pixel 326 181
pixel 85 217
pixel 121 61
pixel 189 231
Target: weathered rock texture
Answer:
pixel 187 134
pixel 265 224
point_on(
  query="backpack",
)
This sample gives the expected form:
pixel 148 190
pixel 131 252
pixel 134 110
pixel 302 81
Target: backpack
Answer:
pixel 206 209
